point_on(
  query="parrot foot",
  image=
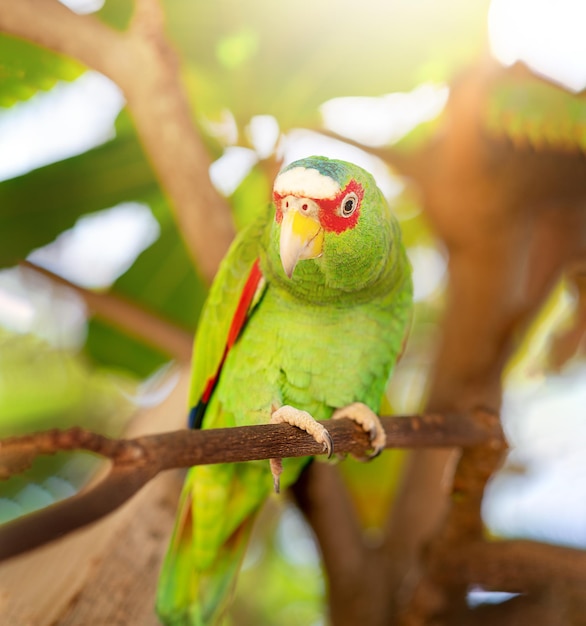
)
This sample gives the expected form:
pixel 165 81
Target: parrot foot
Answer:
pixel 369 421
pixel 301 419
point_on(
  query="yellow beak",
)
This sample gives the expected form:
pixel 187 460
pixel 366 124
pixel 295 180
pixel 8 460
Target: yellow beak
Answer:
pixel 302 237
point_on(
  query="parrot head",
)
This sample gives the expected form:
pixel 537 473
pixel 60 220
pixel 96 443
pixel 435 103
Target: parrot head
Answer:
pixel 330 220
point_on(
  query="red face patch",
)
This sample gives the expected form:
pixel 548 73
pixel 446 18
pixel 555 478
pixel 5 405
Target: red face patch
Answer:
pixel 335 214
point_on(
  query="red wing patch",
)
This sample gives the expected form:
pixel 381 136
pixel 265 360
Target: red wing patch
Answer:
pixel 238 321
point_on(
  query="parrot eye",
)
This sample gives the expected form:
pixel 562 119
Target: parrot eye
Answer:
pixel 349 204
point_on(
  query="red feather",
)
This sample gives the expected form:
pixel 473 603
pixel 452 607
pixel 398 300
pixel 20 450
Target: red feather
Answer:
pixel 238 321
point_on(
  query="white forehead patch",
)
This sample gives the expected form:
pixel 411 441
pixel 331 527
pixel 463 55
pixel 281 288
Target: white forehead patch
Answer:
pixel 306 182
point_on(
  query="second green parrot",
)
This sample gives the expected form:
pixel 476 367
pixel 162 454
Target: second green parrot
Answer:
pixel 304 322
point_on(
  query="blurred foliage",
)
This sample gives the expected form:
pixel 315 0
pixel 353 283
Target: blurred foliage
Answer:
pixel 251 196
pixel 26 68
pixel 535 113
pixel 109 346
pixel 323 49
pixel 116 13
pixel 36 207
pixel 40 388
pixel 162 280
pixel 49 480
pixel 285 567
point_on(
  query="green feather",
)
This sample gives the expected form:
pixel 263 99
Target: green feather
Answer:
pixel 221 304
pixel 325 338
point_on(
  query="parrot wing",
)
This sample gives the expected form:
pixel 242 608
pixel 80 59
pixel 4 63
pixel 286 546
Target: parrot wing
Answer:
pixel 236 290
pixel 217 504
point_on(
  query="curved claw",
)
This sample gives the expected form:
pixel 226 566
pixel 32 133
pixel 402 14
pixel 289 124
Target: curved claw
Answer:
pixel 370 422
pixel 375 439
pixel 328 444
pixel 375 452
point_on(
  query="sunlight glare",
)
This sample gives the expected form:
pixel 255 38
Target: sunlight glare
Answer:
pixel 101 246
pixel 231 168
pixel 224 128
pixel 429 271
pixel 294 539
pixel 83 6
pixel 16 311
pixel 30 303
pixel 548 36
pixel 263 131
pixel 383 120
pixel 478 596
pixel 54 125
pixel 539 493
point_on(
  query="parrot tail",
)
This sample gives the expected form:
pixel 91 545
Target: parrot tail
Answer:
pixel 199 573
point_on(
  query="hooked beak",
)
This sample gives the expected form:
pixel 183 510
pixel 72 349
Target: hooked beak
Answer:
pixel 302 237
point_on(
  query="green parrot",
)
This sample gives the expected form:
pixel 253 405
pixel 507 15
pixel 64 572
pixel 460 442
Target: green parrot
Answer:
pixel 305 321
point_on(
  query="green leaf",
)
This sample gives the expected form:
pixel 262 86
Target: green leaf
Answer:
pixel 26 68
pixel 163 281
pixel 162 278
pixel 42 387
pixel 109 347
pixel 38 206
pixel 251 196
pixel 533 112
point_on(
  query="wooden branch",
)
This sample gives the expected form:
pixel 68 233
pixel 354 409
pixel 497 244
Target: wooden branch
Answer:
pixel 145 67
pixel 136 461
pixel 515 565
pixel 135 321
pixel 439 591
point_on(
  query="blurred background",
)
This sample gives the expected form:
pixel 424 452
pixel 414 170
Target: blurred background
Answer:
pixel 82 215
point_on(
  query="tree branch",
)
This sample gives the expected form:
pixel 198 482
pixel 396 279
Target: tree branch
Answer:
pixel 134 320
pixel 516 565
pixel 144 66
pixel 537 570
pixel 136 461
pixel 486 201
